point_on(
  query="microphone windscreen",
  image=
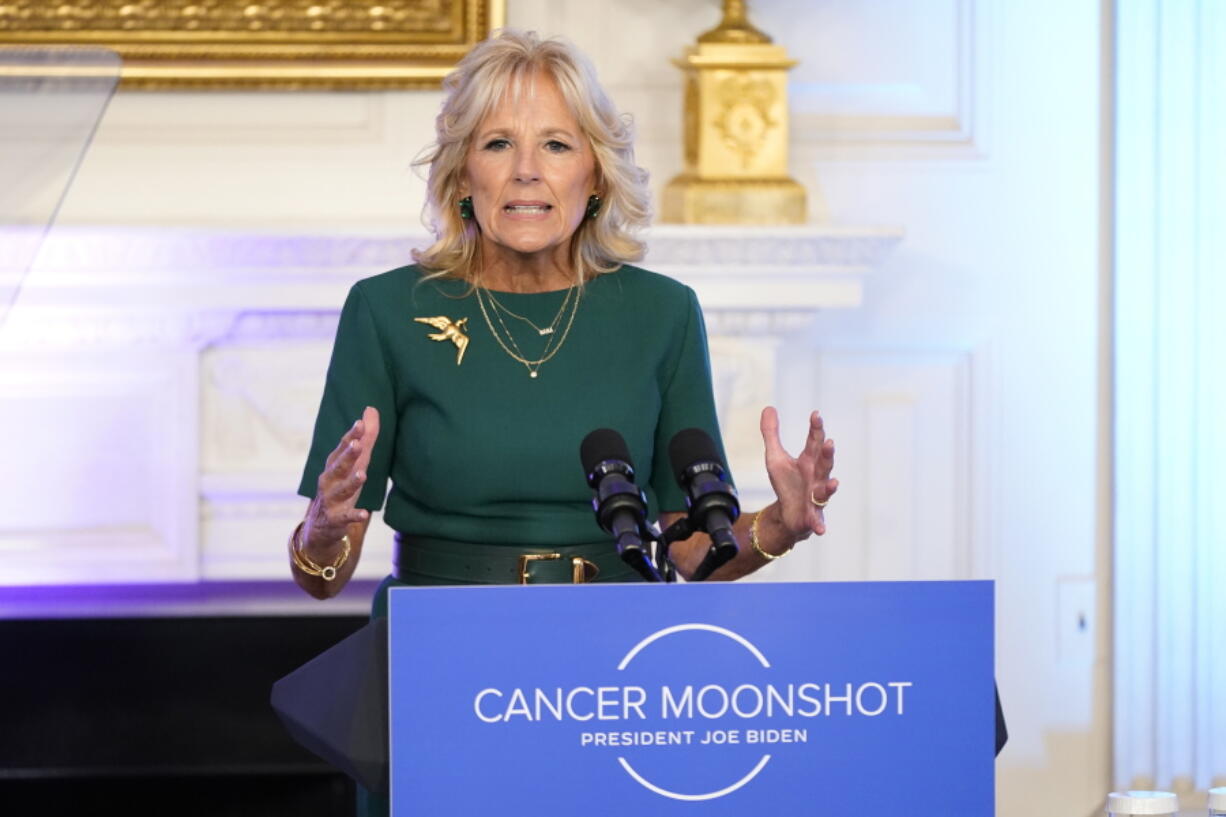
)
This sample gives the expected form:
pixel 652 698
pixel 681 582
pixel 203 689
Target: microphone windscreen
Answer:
pixel 603 444
pixel 691 445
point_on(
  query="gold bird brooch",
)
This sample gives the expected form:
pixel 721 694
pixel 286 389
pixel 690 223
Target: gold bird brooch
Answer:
pixel 449 330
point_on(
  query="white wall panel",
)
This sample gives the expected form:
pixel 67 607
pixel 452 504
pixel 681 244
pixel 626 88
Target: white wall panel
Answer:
pixel 248 119
pixel 260 390
pixel 255 159
pixel 78 426
pixel 899 420
pixel 1001 260
pixel 889 74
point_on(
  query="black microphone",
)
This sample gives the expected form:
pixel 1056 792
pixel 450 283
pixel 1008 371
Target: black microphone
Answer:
pixel 619 504
pixel 712 501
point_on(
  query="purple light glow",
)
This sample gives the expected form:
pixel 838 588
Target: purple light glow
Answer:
pixel 179 600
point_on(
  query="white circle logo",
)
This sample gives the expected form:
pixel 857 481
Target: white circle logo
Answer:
pixel 656 636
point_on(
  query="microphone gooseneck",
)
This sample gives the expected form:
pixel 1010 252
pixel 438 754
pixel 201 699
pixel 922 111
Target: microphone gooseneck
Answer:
pixel 619 504
pixel 711 499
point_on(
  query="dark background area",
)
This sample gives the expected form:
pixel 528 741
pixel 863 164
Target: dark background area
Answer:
pixel 160 716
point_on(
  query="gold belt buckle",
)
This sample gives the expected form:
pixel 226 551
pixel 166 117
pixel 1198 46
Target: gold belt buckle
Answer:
pixel 579 566
pixel 526 558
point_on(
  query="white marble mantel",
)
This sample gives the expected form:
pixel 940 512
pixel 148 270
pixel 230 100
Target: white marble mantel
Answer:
pixel 197 271
pixel 173 375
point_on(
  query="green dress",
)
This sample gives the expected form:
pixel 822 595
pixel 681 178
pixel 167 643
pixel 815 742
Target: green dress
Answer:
pixel 478 451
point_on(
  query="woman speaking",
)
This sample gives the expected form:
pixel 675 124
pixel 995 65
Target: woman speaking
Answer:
pixel 470 378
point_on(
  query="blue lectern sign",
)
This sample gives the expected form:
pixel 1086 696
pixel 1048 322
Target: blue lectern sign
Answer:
pixel 719 699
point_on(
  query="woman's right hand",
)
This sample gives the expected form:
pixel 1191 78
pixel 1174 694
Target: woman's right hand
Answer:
pixel 334 508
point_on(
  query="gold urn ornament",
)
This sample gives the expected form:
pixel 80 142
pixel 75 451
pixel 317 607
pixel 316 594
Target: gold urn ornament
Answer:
pixel 736 130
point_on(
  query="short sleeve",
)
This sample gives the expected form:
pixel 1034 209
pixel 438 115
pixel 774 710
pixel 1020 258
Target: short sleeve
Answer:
pixel 688 401
pixel 359 375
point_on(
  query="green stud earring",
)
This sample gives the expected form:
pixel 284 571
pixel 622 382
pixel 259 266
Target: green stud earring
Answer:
pixel 593 206
pixel 466 208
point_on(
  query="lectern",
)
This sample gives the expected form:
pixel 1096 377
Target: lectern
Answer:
pixel 718 699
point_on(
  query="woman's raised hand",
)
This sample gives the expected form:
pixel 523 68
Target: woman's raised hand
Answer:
pixel 334 507
pixel 802 484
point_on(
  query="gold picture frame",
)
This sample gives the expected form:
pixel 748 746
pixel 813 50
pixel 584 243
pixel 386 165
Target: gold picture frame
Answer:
pixel 263 44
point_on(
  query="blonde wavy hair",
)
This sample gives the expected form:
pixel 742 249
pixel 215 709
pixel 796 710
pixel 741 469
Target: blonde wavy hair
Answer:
pixel 483 78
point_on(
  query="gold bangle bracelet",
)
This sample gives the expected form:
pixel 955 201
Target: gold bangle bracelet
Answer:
pixel 757 546
pixel 307 565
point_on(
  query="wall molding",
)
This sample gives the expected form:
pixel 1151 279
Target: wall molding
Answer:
pixel 889 127
pixel 92 422
pixel 906 454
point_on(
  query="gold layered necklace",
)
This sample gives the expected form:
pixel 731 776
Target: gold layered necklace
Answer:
pixel 552 345
pixel 540 330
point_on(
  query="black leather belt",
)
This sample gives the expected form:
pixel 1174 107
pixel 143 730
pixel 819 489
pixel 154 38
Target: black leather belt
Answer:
pixel 422 560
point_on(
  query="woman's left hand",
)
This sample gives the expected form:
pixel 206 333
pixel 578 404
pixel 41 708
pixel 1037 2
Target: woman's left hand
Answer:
pixel 802 484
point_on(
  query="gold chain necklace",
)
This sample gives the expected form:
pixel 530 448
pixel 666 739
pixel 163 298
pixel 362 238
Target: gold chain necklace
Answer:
pixel 498 306
pixel 533 366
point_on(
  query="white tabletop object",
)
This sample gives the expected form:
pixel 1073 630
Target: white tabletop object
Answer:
pixel 1141 802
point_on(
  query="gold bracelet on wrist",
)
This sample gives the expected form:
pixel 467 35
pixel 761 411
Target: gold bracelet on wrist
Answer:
pixel 757 546
pixel 307 565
